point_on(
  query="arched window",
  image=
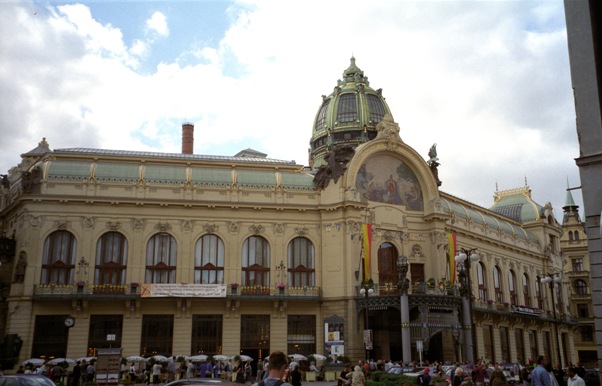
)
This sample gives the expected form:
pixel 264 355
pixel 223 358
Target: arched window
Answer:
pixel 161 254
pixel 482 281
pixel 526 292
pixel 570 235
pixel 58 261
pixel 111 259
pixel 256 261
pixel 576 235
pixel 209 260
pixel 497 284
pixel 580 287
pixel 387 268
pixel 301 263
pixel 512 288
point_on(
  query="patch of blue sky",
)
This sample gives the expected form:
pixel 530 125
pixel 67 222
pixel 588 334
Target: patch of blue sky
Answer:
pixel 191 24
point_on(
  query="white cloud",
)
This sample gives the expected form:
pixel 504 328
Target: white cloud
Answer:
pixel 157 23
pixel 488 81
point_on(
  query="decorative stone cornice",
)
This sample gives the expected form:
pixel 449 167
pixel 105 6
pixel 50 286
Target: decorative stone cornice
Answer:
pixel 163 227
pixel 113 226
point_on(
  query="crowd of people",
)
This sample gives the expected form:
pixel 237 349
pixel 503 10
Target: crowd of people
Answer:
pixel 277 366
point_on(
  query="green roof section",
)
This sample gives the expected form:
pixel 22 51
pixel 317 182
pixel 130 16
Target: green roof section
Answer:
pixel 256 178
pixel 164 174
pixel 68 170
pixel 211 176
pixel 116 172
pixel 482 217
pixel 517 205
pixel 300 181
pixel 569 199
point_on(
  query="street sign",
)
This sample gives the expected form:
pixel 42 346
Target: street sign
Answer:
pixel 368 339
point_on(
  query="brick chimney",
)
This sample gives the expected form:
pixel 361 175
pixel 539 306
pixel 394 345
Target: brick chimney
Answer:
pixel 187 138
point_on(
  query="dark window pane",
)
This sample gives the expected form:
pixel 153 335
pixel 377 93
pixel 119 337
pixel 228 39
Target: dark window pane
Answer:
pixel 100 327
pixel 161 252
pixel 50 337
pixel 111 259
pixel 157 335
pixel 347 108
pixel 377 109
pixel 321 118
pixel 301 271
pixel 206 334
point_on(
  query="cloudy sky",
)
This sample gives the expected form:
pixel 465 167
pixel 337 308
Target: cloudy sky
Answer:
pixel 487 81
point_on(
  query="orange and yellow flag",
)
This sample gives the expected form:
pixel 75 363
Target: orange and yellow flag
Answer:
pixel 451 254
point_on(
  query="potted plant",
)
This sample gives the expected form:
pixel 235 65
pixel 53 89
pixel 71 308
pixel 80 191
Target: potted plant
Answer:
pixel 233 287
pixel 80 285
pixel 134 287
pixel 281 287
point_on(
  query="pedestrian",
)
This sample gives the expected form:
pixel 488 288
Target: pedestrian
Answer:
pixel 574 379
pixel 439 377
pixel 424 379
pixel 171 369
pixel 277 366
pixel 90 372
pixel 525 375
pixel 480 373
pixel 497 377
pixel 357 377
pixel 539 375
pixel 156 373
pixel 133 377
pixel 296 376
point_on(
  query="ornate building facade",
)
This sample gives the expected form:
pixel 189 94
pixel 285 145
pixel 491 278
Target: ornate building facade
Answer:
pixel 185 254
pixel 577 270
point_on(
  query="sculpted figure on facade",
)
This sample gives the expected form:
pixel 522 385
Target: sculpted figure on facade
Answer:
pixel 20 268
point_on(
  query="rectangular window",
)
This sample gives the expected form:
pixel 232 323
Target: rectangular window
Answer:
pixel 255 334
pixel 206 334
pixel 519 339
pixel 50 337
pixel 347 108
pixel 105 332
pixel 301 334
pixel 546 344
pixel 533 344
pixel 587 333
pixel 578 265
pixel 417 273
pixel 157 335
pixel 505 344
pixel 583 310
pixel 488 343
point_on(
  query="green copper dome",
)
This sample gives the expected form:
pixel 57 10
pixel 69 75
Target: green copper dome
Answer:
pixel 348 116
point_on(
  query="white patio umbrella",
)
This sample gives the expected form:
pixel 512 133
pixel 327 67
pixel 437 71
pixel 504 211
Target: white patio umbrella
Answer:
pixel 198 358
pixel 243 358
pixel 34 361
pixel 220 357
pixel 57 361
pixel 136 358
pixel 297 357
pixel 159 358
pixel 319 357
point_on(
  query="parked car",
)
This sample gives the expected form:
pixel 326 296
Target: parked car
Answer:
pixel 25 380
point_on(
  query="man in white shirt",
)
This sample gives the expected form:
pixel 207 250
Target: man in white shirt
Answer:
pixel 574 379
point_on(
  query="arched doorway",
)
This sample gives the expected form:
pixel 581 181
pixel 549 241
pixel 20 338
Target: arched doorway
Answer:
pixel 387 269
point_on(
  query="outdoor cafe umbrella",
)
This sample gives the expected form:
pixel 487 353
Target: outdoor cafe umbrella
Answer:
pixel 34 361
pixel 318 357
pixel 243 358
pixel 198 358
pixel 220 357
pixel 298 357
pixel 57 361
pixel 159 358
pixel 136 358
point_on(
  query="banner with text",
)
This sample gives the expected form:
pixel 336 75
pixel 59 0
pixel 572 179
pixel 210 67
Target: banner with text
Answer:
pixel 183 290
